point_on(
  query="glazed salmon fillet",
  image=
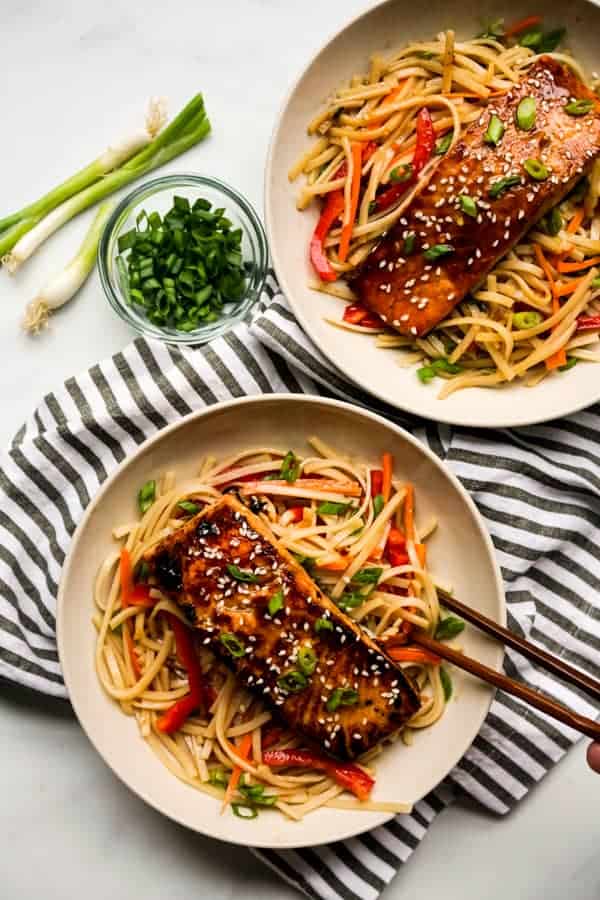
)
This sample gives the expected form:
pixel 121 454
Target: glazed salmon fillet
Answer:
pixel 507 188
pixel 263 616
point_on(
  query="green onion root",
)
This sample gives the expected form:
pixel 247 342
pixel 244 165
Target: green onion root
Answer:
pixel 186 130
pixel 64 286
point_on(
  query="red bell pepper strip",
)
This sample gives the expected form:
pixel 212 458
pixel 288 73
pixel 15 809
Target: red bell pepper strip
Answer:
pixel 356 314
pixel 348 775
pixel 395 550
pixel 588 323
pixel 376 481
pixel 125 576
pixel 176 715
pixel 332 210
pixel 423 151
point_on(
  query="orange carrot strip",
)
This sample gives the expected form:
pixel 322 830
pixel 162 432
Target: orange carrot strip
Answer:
pixel 125 576
pixel 569 287
pixel 243 751
pixel 354 192
pixel 413 655
pixel 577 266
pixel 409 513
pixel 336 565
pixel 576 220
pixel 560 357
pixel 135 663
pixel 522 25
pixel 421 554
pixel 387 466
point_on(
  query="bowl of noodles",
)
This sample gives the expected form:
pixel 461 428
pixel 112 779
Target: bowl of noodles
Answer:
pixel 366 499
pixel 522 345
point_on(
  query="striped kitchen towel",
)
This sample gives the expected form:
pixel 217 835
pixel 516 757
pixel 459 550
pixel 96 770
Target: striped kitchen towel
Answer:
pixel 537 488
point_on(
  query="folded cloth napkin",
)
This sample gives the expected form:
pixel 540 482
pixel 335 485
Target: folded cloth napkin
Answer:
pixel 537 488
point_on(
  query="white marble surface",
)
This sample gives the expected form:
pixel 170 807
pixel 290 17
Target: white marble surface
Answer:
pixel 76 75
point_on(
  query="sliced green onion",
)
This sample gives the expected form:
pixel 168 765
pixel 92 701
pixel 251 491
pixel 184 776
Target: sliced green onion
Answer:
pixel 232 644
pixel 255 793
pixel 307 660
pixel 493 28
pixel 218 778
pixel 553 222
pixel 446 683
pixel 443 145
pixel 425 54
pixel 438 251
pixel 596 282
pixel 367 576
pixel 243 811
pixel 141 573
pixel 323 625
pixel 494 132
pixel 579 107
pixel 443 365
pixel 468 205
pixel 528 319
pixel 351 600
pixel 502 185
pixel 536 169
pixel 571 361
pixel 526 113
pixel 551 40
pixel 242 574
pixel 276 602
pixel 188 507
pixel 449 628
pixel 401 173
pixel 292 682
pixel 378 504
pixel 426 374
pixel 341 697
pixel 409 243
pixel 329 508
pixel 290 467
pixel 531 38
pixel 146 496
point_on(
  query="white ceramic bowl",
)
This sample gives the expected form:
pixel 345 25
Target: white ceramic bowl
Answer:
pixel 460 551
pixel 385 26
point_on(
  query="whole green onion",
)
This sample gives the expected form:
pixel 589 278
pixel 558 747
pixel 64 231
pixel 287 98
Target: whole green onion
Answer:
pixel 526 113
pixel 186 130
pixel 64 286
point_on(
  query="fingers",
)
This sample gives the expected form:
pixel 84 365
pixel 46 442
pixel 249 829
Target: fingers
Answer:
pixel 593 756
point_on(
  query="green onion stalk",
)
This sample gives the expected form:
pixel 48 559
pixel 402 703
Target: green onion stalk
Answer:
pixel 186 130
pixel 114 156
pixel 64 286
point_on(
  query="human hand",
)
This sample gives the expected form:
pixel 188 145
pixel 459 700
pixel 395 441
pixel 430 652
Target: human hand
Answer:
pixel 593 756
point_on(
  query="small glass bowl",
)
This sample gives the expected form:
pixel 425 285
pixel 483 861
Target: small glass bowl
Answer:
pixel 157 196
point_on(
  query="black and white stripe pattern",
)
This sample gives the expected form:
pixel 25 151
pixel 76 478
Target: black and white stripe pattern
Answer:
pixel 537 488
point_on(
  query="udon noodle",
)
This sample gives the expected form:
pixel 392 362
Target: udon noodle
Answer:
pixel 550 273
pixel 136 657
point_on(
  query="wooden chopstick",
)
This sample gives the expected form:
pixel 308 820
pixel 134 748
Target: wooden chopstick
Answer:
pixel 580 723
pixel 530 651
